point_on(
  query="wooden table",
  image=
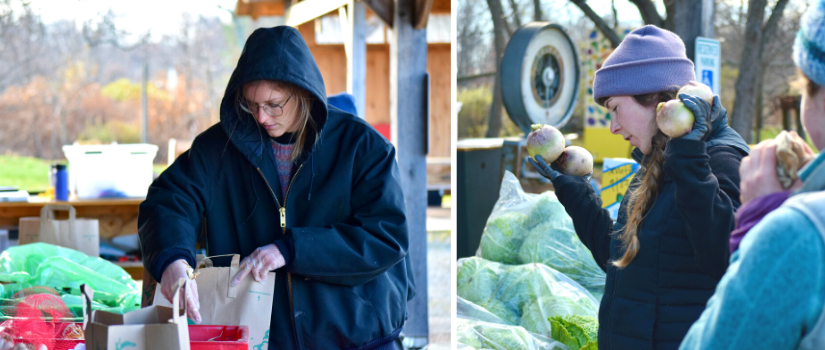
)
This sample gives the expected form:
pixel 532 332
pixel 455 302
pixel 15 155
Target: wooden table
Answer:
pixel 117 216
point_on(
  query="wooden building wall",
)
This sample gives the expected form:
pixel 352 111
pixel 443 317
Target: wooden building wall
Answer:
pixel 331 60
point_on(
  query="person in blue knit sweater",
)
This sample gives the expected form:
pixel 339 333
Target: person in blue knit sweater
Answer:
pixel 773 293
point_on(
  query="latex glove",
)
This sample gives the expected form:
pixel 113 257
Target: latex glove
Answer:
pixel 173 273
pixel 757 173
pixel 259 263
pixel 549 171
pixel 704 114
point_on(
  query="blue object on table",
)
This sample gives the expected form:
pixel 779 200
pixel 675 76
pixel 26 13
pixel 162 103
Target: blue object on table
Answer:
pixel 61 184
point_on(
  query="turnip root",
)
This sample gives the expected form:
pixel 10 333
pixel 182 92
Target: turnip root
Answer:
pixel 545 141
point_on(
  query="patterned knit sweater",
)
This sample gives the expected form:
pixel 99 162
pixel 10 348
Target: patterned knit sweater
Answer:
pixel 283 146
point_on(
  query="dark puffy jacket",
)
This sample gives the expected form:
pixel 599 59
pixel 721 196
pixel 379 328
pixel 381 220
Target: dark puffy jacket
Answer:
pixel 349 276
pixel 651 303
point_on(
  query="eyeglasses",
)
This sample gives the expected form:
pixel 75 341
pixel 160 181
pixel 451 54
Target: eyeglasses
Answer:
pixel 272 109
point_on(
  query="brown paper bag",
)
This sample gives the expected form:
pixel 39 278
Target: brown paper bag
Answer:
pixel 151 328
pixel 248 304
pixel 78 234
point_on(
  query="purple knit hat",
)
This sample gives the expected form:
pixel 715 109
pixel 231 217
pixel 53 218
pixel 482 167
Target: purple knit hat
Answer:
pixel 648 60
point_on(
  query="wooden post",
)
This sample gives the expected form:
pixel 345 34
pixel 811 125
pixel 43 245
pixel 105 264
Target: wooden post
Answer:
pixel 357 54
pixel 408 112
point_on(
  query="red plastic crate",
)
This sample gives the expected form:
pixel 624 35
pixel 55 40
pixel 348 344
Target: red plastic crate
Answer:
pixel 201 337
pixel 222 337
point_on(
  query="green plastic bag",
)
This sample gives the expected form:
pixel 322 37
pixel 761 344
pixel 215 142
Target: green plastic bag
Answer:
pixel 64 270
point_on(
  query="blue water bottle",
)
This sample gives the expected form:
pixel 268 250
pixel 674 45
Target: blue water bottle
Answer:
pixel 61 183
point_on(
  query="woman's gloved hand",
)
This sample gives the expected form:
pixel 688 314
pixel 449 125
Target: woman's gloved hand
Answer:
pixel 549 171
pixel 259 263
pixel 175 271
pixel 704 114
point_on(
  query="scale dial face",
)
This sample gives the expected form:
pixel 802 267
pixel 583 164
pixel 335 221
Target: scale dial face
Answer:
pixel 550 52
pixel 540 76
pixel 547 75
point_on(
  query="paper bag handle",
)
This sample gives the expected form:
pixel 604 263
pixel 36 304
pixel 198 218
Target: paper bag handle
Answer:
pixel 176 304
pixel 47 213
pixel 88 295
pixel 234 267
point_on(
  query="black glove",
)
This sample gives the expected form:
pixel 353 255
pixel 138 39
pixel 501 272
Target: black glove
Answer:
pixel 549 171
pixel 704 114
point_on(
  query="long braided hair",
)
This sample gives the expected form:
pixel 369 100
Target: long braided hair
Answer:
pixel 643 197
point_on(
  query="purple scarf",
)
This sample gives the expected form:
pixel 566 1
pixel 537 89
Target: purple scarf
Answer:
pixel 752 213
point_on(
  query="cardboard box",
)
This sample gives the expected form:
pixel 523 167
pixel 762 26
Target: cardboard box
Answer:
pixel 154 327
pixel 79 234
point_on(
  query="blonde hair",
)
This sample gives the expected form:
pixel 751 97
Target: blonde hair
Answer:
pixel 306 124
pixel 644 196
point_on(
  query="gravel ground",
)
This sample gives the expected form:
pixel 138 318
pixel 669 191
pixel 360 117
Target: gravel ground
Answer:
pixel 438 275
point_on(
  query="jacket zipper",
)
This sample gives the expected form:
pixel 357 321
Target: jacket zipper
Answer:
pixel 282 211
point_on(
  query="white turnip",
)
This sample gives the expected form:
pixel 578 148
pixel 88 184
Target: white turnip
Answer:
pixel 545 141
pixel 575 161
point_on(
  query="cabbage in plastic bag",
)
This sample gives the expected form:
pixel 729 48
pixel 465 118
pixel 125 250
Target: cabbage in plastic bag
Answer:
pixel 503 237
pixel 476 281
pixel 477 334
pixel 576 332
pixel 534 228
pixel 517 287
pixel 562 250
pixel 535 316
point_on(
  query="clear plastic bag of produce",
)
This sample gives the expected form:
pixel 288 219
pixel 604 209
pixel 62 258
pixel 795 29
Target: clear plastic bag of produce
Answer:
pixel 529 295
pixel 534 228
pixel 64 270
pixel 476 334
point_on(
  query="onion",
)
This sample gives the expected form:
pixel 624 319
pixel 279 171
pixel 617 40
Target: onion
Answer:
pixel 545 141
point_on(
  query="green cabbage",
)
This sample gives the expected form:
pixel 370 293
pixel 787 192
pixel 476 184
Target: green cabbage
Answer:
pixel 577 332
pixel 476 280
pixel 524 284
pixel 535 315
pixel 503 237
pixel 561 249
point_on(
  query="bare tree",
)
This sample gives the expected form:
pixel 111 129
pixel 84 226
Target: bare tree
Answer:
pixel 748 85
pixel 499 42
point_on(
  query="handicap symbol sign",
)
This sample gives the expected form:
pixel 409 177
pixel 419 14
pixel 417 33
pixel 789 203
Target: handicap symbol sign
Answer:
pixel 707 78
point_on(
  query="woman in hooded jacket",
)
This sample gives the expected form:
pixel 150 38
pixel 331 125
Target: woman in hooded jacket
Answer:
pixel 294 186
pixel 669 247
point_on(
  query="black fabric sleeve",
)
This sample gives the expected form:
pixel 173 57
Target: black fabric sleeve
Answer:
pixel 169 217
pixel 372 241
pixel 592 222
pixel 286 247
pixel 707 196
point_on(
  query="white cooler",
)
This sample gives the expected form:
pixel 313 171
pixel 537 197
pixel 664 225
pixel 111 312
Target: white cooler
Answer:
pixel 110 171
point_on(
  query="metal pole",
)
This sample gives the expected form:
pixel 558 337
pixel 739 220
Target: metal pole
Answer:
pixel 144 99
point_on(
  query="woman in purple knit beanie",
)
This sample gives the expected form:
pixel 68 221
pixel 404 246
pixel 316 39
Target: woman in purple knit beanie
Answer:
pixel 669 247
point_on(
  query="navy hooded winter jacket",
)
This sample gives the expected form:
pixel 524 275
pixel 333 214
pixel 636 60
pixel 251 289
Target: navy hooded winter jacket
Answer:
pixel 345 234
